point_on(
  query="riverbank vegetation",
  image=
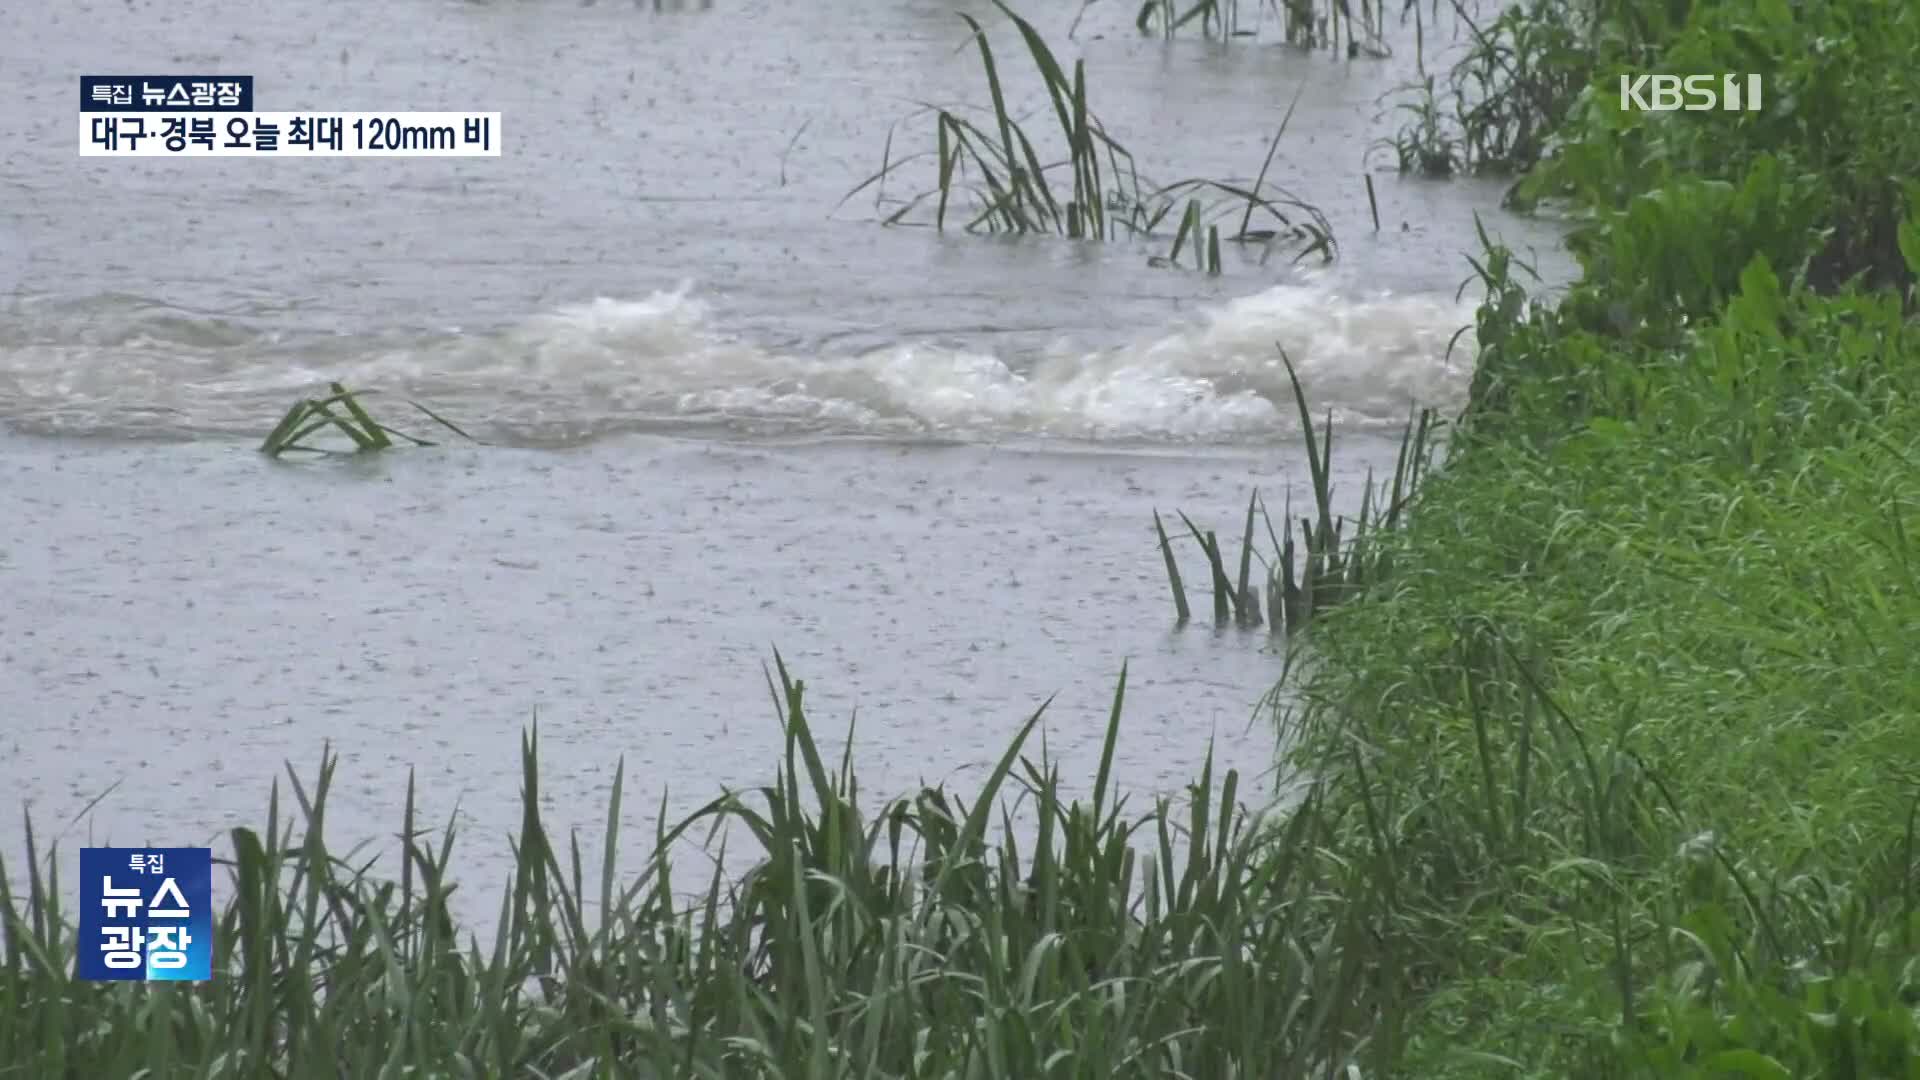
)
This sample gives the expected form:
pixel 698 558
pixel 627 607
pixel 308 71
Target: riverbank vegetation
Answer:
pixel 1611 771
pixel 1624 738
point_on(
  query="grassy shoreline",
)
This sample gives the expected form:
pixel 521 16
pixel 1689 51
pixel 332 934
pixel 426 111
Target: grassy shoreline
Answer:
pixel 932 937
pixel 1625 740
pixel 1615 771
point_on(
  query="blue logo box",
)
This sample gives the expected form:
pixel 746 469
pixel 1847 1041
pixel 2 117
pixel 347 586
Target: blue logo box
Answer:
pixel 146 914
pixel 166 93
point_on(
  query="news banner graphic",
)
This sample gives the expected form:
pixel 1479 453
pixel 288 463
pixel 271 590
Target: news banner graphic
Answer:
pixel 146 914
pixel 213 116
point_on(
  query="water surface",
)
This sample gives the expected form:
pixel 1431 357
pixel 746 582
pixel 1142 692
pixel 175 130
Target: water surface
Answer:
pixel 724 411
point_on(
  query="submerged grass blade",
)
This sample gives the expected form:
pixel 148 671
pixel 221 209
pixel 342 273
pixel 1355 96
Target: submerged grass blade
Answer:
pixel 1273 146
pixel 1173 570
pixel 1249 604
pixel 376 436
pixel 311 416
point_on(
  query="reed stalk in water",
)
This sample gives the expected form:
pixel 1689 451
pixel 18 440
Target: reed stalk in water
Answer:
pixel 1302 23
pixel 341 411
pixel 996 166
pixel 1333 565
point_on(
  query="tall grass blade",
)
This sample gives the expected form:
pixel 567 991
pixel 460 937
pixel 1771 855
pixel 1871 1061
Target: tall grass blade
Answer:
pixel 1181 611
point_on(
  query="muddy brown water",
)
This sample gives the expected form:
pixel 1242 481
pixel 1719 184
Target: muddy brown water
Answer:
pixel 725 412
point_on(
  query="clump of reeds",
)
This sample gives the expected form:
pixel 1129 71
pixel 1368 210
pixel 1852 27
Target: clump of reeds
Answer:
pixel 1194 225
pixel 996 164
pixel 342 411
pixel 1494 110
pixel 1303 24
pixel 1215 18
pixel 1335 565
pixel 932 937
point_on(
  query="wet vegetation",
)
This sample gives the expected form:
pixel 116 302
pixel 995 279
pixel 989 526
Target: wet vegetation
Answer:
pixel 1619 736
pixel 1005 179
pixel 1607 759
pixel 1525 65
pixel 1302 23
pixel 342 412
pixel 926 938
pixel 1333 563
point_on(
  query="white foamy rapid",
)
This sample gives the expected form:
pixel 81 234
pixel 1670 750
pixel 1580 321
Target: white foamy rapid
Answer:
pixel 124 366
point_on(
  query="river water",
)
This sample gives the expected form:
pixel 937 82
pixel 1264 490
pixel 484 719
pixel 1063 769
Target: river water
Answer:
pixel 723 411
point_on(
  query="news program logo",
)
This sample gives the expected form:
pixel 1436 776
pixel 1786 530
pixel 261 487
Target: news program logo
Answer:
pixel 214 116
pixel 146 914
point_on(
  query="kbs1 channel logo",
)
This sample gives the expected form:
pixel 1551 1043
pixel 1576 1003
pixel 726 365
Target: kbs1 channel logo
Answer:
pixel 214 116
pixel 1691 93
pixel 146 914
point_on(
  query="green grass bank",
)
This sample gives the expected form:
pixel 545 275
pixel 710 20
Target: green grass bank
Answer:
pixel 1616 767
pixel 1629 746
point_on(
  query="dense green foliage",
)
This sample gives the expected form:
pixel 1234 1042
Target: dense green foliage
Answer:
pixel 1632 736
